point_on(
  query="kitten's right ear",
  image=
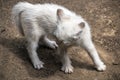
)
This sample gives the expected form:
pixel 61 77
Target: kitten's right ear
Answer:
pixel 82 25
pixel 60 14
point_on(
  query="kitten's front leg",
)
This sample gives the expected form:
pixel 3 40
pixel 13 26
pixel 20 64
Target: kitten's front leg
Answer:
pixel 89 46
pixel 66 62
pixel 50 43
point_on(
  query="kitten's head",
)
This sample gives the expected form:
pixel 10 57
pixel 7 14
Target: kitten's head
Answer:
pixel 69 28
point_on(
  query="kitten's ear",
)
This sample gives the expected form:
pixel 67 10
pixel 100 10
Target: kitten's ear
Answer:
pixel 82 25
pixel 60 14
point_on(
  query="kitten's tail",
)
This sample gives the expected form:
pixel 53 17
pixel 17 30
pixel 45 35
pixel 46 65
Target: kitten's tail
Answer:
pixel 19 23
pixel 17 10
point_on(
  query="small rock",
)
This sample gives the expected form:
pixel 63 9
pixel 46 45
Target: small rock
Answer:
pixel 115 63
pixel 2 30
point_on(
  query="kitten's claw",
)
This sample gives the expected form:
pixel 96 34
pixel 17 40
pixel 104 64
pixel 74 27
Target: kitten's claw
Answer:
pixel 53 44
pixel 38 65
pixel 101 67
pixel 67 69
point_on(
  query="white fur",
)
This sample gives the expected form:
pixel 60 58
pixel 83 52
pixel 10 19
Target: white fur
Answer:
pixel 39 20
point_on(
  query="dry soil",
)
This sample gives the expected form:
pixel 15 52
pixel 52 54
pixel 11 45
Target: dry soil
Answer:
pixel 104 19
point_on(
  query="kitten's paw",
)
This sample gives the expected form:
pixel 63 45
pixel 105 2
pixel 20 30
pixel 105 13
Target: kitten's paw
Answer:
pixel 101 67
pixel 52 44
pixel 38 65
pixel 67 69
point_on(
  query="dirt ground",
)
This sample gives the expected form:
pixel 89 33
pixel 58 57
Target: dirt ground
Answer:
pixel 104 18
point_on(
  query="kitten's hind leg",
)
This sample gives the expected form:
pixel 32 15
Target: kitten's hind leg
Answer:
pixel 34 57
pixel 32 50
pixel 33 37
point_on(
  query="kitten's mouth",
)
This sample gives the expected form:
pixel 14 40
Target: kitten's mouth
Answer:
pixel 61 42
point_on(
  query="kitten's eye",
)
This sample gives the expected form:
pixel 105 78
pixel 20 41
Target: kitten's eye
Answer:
pixel 79 33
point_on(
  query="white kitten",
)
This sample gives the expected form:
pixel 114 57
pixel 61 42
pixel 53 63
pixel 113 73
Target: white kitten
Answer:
pixel 36 21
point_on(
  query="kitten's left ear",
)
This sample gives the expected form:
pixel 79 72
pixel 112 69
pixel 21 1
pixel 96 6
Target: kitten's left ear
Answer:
pixel 60 14
pixel 82 25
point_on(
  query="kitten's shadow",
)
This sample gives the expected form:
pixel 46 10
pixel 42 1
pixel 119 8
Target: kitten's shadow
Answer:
pixel 17 46
pixel 83 65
